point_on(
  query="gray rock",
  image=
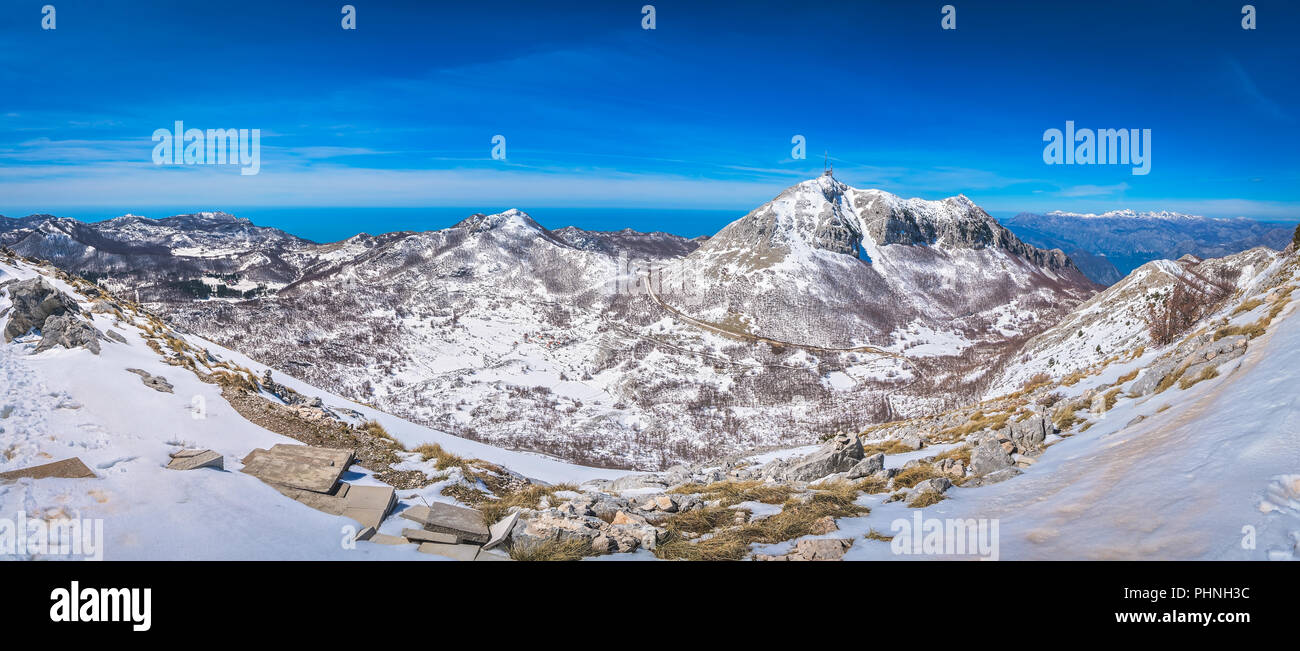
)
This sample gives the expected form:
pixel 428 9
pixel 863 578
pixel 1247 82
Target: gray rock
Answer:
pixel 840 454
pixel 936 485
pixel 116 336
pixel 1030 433
pixel 70 332
pixel 35 301
pixel 1151 377
pixel 632 482
pixel 989 457
pixel 155 382
pixel 817 549
pixel 1207 354
pixel 1000 476
pixel 912 441
pixel 868 466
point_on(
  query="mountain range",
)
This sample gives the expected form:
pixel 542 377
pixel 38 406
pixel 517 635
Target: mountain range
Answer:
pixel 819 308
pixel 1109 245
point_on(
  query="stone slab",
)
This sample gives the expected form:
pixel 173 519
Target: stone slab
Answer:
pixel 195 459
pixel 501 530
pixel 299 466
pixel 465 523
pixel 422 536
pixel 71 468
pixel 368 505
pixel 455 552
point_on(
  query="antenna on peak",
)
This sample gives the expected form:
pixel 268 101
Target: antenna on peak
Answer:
pixel 827 165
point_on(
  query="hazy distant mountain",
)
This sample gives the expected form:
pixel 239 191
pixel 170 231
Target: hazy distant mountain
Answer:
pixel 1129 239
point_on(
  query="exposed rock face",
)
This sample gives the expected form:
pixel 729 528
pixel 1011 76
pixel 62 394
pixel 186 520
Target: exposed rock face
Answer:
pixel 989 457
pixel 1207 354
pixel 841 454
pixel 1029 435
pixel 38 305
pixel 868 466
pixel 34 301
pixel 70 332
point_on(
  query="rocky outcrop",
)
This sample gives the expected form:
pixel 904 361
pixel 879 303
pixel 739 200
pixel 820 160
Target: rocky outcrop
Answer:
pixel 1207 353
pixel 1029 435
pixel 34 301
pixel 818 549
pixel 38 305
pixel 70 332
pixel 840 454
pixel 989 457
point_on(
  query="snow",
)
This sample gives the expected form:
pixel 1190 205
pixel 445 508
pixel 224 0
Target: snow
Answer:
pixel 72 403
pixel 1186 483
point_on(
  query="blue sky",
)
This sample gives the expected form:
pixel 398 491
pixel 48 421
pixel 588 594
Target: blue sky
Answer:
pixel 696 115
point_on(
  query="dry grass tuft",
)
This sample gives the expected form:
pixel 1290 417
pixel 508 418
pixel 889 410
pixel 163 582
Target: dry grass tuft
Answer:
pixel 552 550
pixel 1207 373
pixel 926 499
pixel 909 477
pixel 876 535
pixel 735 492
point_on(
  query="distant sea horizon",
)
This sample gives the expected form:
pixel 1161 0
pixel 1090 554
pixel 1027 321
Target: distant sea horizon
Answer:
pixel 331 224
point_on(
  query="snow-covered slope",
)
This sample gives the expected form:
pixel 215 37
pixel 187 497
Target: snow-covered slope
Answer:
pixel 63 403
pixel 1114 322
pixel 1210 472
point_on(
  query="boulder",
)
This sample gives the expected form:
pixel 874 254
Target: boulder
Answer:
pixel 840 454
pixel 35 301
pixel 935 485
pixel 868 466
pixel 1030 433
pixel 951 468
pixel 70 332
pixel 824 525
pixel 989 457
pixel 912 441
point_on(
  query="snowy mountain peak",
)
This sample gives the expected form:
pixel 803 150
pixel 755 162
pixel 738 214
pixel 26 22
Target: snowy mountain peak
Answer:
pixel 509 220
